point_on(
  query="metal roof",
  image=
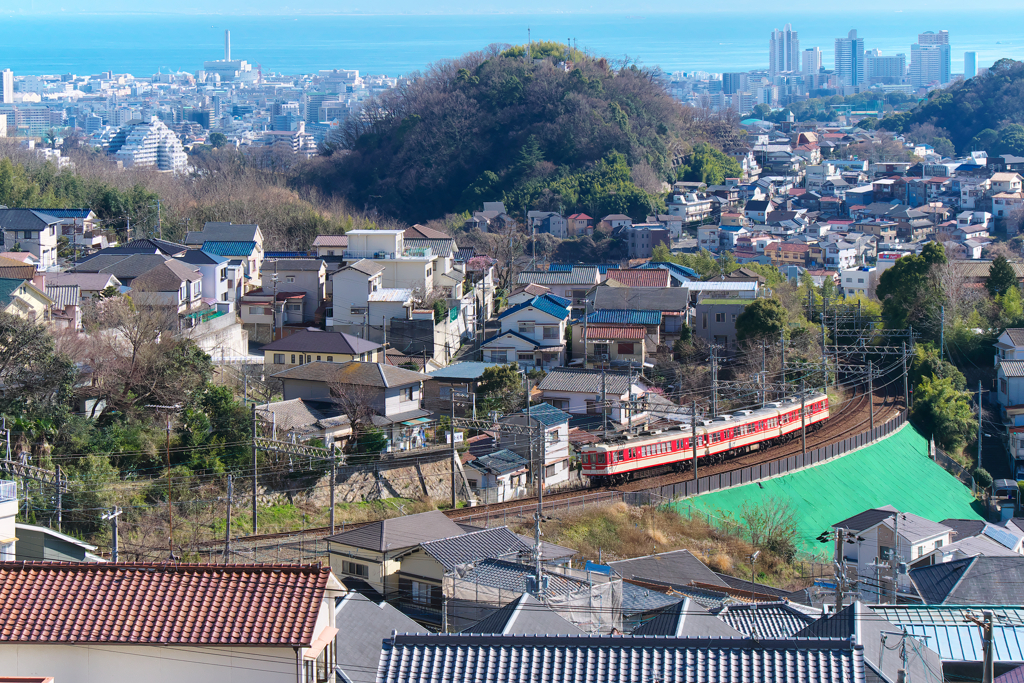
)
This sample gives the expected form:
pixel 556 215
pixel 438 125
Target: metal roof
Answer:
pixel 523 616
pixel 444 658
pixel 494 543
pixel 866 519
pixel 585 381
pixel 722 286
pixel 390 294
pixel 546 303
pixel 675 567
pixel 638 599
pixel 547 414
pixel 64 295
pixel 441 247
pixel 981 579
pixel 624 317
pixel 499 462
pixel 953 637
pixel 1012 368
pixel 514 577
pixel 229 248
pixel 764 619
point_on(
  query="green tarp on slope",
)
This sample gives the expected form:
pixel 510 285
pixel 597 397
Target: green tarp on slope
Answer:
pixel 895 471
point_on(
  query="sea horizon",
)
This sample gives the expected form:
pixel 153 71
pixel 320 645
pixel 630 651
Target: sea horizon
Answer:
pixel 399 44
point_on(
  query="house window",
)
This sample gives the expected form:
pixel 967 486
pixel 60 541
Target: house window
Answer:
pixel 704 321
pixel 357 310
pixel 407 393
pixel 601 350
pixel 279 358
pixel 290 278
pixel 355 569
pixel 1002 385
pixel 255 310
pixel 294 307
pixel 551 333
pixel 330 359
pixel 499 356
pixel 330 252
pixel 7 552
pixel 293 358
pixel 625 348
pixel 526 328
pixel 719 317
pixel 525 356
pixel 318 357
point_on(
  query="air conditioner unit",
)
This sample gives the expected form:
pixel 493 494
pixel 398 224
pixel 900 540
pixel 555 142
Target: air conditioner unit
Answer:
pixel 604 356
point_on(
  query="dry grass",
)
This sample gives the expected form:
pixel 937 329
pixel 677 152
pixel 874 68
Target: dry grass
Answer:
pixel 618 531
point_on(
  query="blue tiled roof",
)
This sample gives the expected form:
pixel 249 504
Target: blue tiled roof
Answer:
pixel 547 303
pixel 465 370
pixel 286 254
pixel 536 344
pixel 229 248
pixel 547 414
pixel 499 462
pixel 624 317
pixel 567 267
pixel 674 268
pixel 65 213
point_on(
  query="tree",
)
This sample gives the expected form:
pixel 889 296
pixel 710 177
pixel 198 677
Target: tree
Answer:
pixel 708 165
pixel 1001 277
pixel 943 410
pixel 762 318
pixel 905 290
pixel 216 140
pixel 772 276
pixel 501 388
pixel 37 381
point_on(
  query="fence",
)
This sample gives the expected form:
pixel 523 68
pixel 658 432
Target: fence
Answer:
pixel 715 482
pixel 953 467
pixel 526 510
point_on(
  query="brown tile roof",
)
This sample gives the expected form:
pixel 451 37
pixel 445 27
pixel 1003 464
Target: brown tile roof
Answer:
pixel 331 241
pixel 648 277
pixel 423 232
pixel 160 603
pixel 614 332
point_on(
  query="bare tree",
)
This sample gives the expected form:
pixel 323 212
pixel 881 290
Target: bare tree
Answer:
pixel 951 279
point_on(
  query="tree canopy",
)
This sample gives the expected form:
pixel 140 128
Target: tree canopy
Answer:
pixel 1001 277
pixel 762 318
pixel 904 288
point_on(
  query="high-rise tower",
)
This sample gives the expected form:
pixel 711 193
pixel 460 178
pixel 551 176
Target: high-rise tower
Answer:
pixel 783 51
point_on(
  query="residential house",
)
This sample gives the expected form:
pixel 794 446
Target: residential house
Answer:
pixel 222 281
pixel 1005 182
pixel 498 477
pixel 89 284
pixel 67 306
pixel 330 248
pixel 1010 390
pixel 525 292
pixel 365 623
pixel 534 331
pixel 33 231
pixel 653 321
pixel 674 224
pixel 716 321
pixel 880 537
pixel 664 310
pixel 691 207
pixel 306 275
pixel 787 253
pixel 757 210
pixel 25 300
pixel 862 281
pixel 979 580
pixel 124 267
pixel 574 284
pixel 614 221
pixel 359 287
pixel 81 227
pixel 708 237
pixel 463 378
pixel 8 525
pixel 1006 204
pixel 306 346
pixel 172 284
pixel 553 434
pixel 840 255
pixel 392 396
pixel 493 217
pixel 524 615
pixel 587 392
pixel 241 244
pixel 112 622
pixel 656 278
pixel 580 224
pixel 264 314
pixel 301 420
pixel 680 275
pixel 1010 345
pixel 42 544
pixel 608 346
pixel 406 266
pixel 642 238
pixel 550 222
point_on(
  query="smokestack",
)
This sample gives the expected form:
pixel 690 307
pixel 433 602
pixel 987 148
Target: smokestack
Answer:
pixel 227 46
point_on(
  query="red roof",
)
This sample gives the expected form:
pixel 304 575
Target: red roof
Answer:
pixel 635 332
pixel 160 603
pixel 796 191
pixel 646 277
pixel 580 217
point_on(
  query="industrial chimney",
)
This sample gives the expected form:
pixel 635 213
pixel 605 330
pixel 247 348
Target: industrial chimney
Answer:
pixel 227 46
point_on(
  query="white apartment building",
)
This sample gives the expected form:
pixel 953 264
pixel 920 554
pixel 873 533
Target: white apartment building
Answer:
pixel 149 144
pixel 405 267
pixel 856 281
pixel 691 207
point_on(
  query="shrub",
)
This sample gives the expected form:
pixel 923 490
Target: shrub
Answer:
pixel 982 478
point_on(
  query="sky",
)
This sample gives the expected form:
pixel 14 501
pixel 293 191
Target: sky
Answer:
pixel 287 7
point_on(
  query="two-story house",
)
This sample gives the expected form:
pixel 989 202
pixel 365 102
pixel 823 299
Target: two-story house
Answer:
pixel 330 248
pixel 578 392
pixel 840 255
pixel 614 221
pixel 1005 182
pixel 691 207
pixel 172 284
pixel 222 280
pixel 25 300
pixel 532 334
pixel 550 222
pixel 579 224
pixel 550 442
pixel 573 285
pixel 307 346
pixel 405 267
pixel 306 275
pixel 708 237
pixel 859 281
pixel 32 231
pixel 608 346
pixel 241 244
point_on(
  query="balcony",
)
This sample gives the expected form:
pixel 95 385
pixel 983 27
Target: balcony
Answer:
pixel 408 253
pixel 8 491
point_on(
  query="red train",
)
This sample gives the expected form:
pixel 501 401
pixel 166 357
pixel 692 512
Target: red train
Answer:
pixel 628 457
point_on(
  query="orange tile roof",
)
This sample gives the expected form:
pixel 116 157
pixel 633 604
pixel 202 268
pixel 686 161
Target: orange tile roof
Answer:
pixel 160 603
pixel 647 277
pixel 615 332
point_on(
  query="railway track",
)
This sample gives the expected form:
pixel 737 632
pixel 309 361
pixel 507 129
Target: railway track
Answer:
pixel 853 417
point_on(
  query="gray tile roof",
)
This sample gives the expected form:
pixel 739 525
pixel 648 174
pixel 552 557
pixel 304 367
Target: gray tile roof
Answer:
pixel 526 615
pixel 915 528
pixel 166 277
pixel 498 542
pixel 25 219
pixel 399 532
pixel 1016 335
pixel 365 267
pixel 364 624
pixel 447 658
pixel 549 552
pixel 686 618
pixel 764 619
pixel 354 373
pixel 124 267
pixel 301 415
pixel 637 599
pixel 866 519
pixel 88 282
pixel 676 567
pixel 64 295
pixel 576 276
pixel 513 577
pixel 646 299
pixel 1012 368
pixel 317 341
pixel 964 528
pixel 439 247
pixel 585 381
pixel 976 581
pixel 281 265
pixel 499 462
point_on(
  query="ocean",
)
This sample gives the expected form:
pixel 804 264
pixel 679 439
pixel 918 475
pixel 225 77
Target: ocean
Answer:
pixel 401 44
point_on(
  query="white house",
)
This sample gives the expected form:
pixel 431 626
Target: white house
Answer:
pixel 840 255
pixel 222 280
pixel 708 237
pixel 498 476
pixel 8 513
pixel 578 392
pixel 405 267
pixel 1010 345
pixel 690 206
pixel 554 424
pixel 1010 388
pixel 856 281
pixel 33 231
pixel 170 622
pixel 173 284
pixel 534 331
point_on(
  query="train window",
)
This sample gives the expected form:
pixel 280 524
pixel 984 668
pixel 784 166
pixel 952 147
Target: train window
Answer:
pixel 586 458
pixel 600 458
pixel 618 456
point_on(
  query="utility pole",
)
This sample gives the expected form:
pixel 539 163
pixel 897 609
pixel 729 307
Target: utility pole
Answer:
pixel 170 513
pixel 693 436
pixel 980 415
pixel 255 478
pixel 894 561
pixel 334 479
pixel 529 423
pixel 227 530
pixel 906 390
pixel 942 333
pixel 604 403
pixel 112 516
pixel 871 396
pixel 803 419
pixel 988 665
pixel 60 496
pixel 714 380
pixel 455 453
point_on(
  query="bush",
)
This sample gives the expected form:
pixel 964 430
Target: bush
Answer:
pixel 981 477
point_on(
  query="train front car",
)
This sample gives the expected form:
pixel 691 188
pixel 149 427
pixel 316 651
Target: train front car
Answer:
pixel 623 459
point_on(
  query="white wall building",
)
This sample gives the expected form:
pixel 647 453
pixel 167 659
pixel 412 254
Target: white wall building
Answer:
pixel 149 144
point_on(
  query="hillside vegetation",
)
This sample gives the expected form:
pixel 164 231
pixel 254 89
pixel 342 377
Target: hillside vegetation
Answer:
pixel 493 125
pixel 983 113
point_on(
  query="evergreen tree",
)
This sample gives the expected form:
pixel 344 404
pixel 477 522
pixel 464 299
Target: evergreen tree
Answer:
pixel 1001 277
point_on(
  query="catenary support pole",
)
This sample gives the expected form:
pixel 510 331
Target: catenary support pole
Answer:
pixel 455 453
pixel 334 482
pixel 981 416
pixel 803 419
pixel 227 529
pixel 255 477
pixel 906 391
pixel 170 504
pixel 871 397
pixel 693 437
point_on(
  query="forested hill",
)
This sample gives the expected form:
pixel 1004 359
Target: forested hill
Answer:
pixel 983 113
pixel 493 124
